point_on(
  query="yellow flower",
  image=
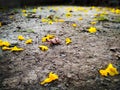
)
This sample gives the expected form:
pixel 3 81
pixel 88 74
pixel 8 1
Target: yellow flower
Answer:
pixel 15 48
pixel 29 41
pixel 44 20
pixel 5 43
pixel 93 23
pixel 50 78
pixel 68 41
pixel 24 14
pixel 1 42
pixel 0 24
pixel 10 17
pixel 47 37
pixel 117 11
pixel 112 70
pixel 20 37
pixel 50 22
pixel 80 9
pixel 68 15
pixel 60 20
pixel 92 30
pixel 103 72
pixel 34 10
pixel 80 18
pixel 24 11
pixel 6 48
pixel 74 25
pixel 50 36
pixel 43 48
pixel 112 10
pixel 44 39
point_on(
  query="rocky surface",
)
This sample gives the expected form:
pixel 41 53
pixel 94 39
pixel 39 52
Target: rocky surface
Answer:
pixel 77 64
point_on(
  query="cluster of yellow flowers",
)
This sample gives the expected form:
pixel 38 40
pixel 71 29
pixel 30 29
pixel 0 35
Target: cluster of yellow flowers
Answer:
pixel 50 37
pixel 28 41
pixel 5 46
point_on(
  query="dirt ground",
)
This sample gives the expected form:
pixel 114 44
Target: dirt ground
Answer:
pixel 76 64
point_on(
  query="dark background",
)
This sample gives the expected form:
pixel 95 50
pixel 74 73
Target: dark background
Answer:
pixel 21 3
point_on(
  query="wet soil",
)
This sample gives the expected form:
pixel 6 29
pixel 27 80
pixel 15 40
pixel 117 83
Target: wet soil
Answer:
pixel 77 64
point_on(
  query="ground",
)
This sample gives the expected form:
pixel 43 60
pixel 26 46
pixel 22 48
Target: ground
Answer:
pixel 76 64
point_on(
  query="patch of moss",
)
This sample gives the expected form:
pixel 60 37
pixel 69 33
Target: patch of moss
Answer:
pixel 117 20
pixel 102 18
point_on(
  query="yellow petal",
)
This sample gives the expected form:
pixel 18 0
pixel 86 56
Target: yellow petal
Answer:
pixel 50 78
pixel 29 41
pixel 111 70
pixel 6 43
pixel 49 36
pixel 44 20
pixel 74 25
pixel 44 39
pixel 80 18
pixel 0 24
pixel 6 48
pixel 1 42
pixel 50 22
pixel 24 14
pixel 60 20
pixel 103 72
pixel 20 37
pixel 43 48
pixel 15 48
pixel 47 80
pixel 92 30
pixel 53 76
pixel 93 23
pixel 68 15
pixel 68 41
pixel 24 11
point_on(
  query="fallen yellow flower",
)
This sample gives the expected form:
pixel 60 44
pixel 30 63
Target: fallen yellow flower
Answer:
pixel 50 22
pixel 93 23
pixel 74 25
pixel 47 37
pixel 117 11
pixel 103 72
pixel 10 17
pixel 80 18
pixel 44 39
pixel 68 41
pixel 50 36
pixel 68 15
pixel 50 78
pixel 24 11
pixel 43 48
pixel 112 71
pixel 20 37
pixel 5 43
pixel 92 30
pixel 1 44
pixel 29 41
pixel 44 20
pixel 6 48
pixel 34 10
pixel 60 20
pixel 15 48
pixel 0 24
pixel 24 14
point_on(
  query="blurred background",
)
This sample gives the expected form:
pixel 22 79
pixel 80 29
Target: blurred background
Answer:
pixel 21 3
